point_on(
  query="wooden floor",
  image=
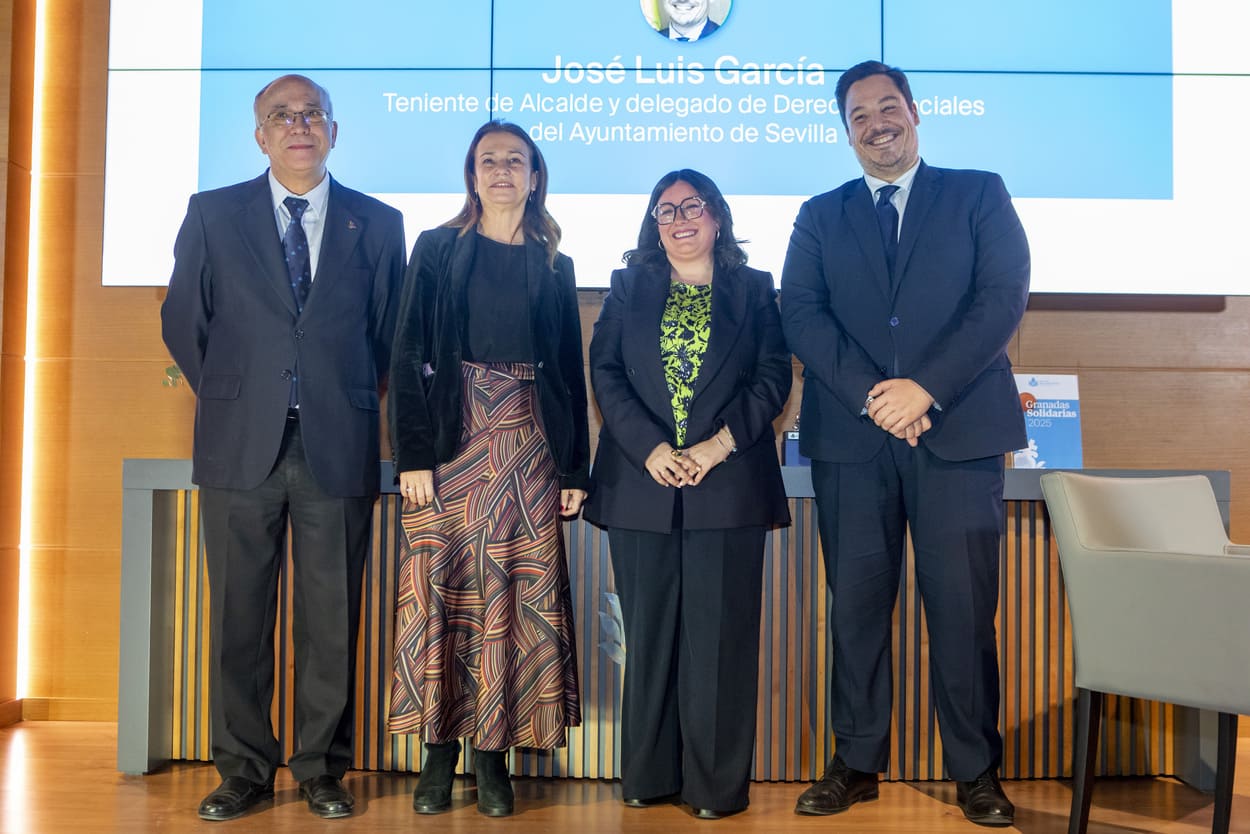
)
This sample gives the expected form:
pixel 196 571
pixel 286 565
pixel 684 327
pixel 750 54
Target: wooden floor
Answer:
pixel 60 778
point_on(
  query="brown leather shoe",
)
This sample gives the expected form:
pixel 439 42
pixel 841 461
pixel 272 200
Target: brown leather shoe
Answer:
pixel 233 797
pixel 326 796
pixel 839 789
pixel 982 800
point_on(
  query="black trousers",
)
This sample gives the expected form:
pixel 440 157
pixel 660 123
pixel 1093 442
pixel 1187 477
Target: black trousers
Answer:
pixel 955 513
pixel 245 537
pixel 691 605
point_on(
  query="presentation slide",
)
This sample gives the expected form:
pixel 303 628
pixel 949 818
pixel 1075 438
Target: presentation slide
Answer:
pixel 1102 118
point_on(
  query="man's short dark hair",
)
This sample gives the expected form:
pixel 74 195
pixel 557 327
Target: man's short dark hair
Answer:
pixel 863 70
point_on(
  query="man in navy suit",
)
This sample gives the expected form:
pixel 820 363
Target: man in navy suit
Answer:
pixel 280 313
pixel 900 293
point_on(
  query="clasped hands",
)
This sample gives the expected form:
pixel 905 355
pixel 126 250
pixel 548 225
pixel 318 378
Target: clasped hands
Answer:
pixel 901 407
pixel 689 466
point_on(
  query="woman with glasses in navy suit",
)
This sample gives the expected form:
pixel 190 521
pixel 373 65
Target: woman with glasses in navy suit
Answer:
pixel 689 369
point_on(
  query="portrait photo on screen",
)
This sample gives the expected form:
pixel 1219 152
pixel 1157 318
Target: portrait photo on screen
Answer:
pixel 685 20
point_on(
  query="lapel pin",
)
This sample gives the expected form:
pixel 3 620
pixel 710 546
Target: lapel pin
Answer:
pixel 351 224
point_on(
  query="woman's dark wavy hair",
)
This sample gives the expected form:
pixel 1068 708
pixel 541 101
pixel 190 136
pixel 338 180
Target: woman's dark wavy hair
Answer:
pixel 727 253
pixel 537 224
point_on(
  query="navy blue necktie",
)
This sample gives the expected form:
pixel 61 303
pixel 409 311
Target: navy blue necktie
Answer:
pixel 887 218
pixel 295 248
pixel 298 268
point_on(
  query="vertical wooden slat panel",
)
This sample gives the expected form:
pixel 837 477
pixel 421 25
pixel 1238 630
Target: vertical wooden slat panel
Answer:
pixel 178 732
pixel 782 550
pixel 191 640
pixel 796 728
pixel 901 675
pixel 793 732
pixel 767 713
pixel 584 748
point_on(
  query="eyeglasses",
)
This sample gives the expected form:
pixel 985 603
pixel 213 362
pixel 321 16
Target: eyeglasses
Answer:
pixel 288 118
pixel 691 208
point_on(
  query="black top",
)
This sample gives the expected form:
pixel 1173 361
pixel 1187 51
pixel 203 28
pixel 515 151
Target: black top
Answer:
pixel 425 408
pixel 498 306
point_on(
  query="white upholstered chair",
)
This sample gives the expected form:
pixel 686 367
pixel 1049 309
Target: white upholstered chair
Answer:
pixel 1160 606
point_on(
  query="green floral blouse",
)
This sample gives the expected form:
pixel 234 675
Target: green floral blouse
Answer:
pixel 684 329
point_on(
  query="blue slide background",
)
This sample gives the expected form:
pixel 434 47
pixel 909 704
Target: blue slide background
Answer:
pixel 1077 96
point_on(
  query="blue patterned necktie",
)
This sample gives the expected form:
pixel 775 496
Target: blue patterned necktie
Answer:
pixel 887 218
pixel 295 248
pixel 298 269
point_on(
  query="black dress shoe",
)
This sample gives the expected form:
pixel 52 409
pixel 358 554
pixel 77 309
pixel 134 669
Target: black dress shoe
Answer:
pixel 494 789
pixel 233 797
pixel 837 790
pixel 433 793
pixel 326 796
pixel 982 800
pixel 650 802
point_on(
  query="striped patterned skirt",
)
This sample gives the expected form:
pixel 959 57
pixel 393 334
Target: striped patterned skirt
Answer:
pixel 484 644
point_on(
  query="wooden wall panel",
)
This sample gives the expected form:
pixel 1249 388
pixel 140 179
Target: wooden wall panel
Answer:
pixel 6 94
pixel 14 180
pixel 91 414
pixel 13 308
pixel 74 626
pixel 10 560
pixel 1167 418
pixel 12 380
pixel 21 14
pixel 1164 381
pixel 1139 332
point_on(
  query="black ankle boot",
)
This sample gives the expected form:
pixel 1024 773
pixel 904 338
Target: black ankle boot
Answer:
pixel 433 793
pixel 494 789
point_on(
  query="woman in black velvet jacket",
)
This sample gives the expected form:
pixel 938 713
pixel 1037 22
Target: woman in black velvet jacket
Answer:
pixel 489 430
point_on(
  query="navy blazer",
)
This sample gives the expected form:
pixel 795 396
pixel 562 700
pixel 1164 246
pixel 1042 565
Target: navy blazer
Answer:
pixel 961 287
pixel 229 321
pixel 426 412
pixel 743 384
pixel 709 26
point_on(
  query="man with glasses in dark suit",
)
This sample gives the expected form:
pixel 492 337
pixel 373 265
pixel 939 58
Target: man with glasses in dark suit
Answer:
pixel 280 313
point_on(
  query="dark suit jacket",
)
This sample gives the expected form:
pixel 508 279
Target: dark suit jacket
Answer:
pixel 743 384
pixel 961 287
pixel 229 322
pixel 425 412
pixel 709 26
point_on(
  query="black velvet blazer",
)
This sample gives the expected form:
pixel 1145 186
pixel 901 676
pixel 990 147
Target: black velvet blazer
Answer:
pixel 425 407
